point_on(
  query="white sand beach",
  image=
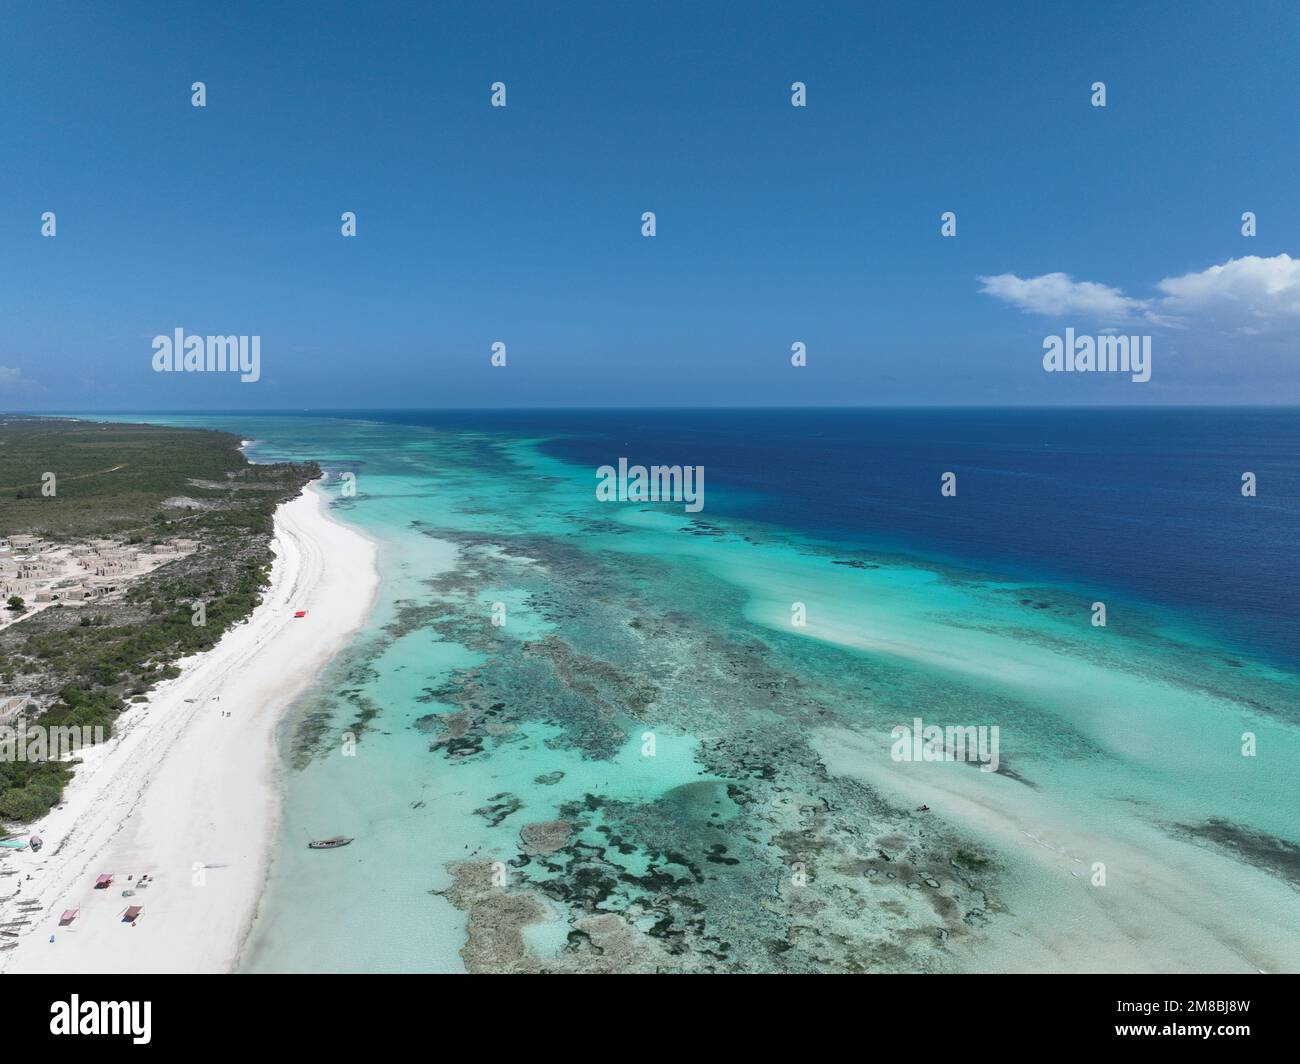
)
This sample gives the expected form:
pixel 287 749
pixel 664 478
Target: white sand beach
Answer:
pixel 185 795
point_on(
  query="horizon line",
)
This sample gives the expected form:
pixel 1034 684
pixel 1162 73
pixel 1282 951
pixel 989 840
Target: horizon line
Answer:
pixel 261 411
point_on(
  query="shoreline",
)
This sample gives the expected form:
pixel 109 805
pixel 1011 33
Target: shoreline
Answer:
pixel 186 795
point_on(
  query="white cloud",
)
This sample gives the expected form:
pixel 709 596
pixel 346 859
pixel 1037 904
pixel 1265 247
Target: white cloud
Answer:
pixel 1250 296
pixel 1262 290
pixel 1058 293
pixel 13 381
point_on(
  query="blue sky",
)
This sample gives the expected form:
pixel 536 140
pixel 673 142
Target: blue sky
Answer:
pixel 775 224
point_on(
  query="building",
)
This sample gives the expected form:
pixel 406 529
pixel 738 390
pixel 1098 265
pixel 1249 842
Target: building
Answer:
pixel 11 707
pixel 66 593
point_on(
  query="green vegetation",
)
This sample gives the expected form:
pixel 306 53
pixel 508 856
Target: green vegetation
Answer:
pixel 111 478
pixel 139 484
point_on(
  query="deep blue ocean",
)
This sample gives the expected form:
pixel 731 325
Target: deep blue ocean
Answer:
pixel 1145 503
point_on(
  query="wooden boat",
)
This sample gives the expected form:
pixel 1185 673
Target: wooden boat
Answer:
pixel 328 844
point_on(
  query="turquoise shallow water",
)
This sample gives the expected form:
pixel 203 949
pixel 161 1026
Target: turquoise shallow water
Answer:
pixel 649 767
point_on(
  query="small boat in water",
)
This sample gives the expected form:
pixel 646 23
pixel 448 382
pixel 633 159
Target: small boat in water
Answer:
pixel 328 844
